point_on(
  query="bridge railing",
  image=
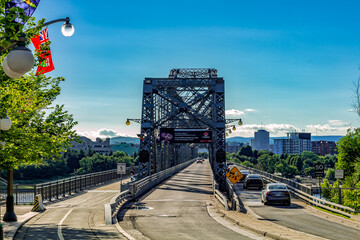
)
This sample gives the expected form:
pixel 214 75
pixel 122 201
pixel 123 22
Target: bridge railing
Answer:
pixel 137 189
pixel 25 194
pixel 303 192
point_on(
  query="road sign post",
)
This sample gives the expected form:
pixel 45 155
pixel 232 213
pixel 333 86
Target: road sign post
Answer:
pixel 121 169
pixel 319 173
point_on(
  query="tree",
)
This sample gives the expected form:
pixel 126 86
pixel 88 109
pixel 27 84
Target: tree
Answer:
pixel 356 103
pixel 39 130
pixel 330 174
pixel 246 151
pixel 349 154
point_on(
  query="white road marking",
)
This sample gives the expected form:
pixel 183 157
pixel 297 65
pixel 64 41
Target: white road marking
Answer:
pixel 61 222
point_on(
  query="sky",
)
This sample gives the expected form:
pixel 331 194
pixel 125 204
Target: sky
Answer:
pixel 287 65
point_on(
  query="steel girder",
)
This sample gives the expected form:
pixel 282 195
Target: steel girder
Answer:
pixel 188 98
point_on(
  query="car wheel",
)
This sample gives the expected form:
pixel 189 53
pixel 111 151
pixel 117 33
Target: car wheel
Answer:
pixel 287 203
pixel 266 203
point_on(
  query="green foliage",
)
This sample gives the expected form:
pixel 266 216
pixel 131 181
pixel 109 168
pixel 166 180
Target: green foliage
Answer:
pixel 326 191
pixel 330 174
pixel 247 163
pixel 246 151
pixel 97 162
pixel 39 130
pixel 349 154
pixel 288 171
pixel 203 154
pixel 46 170
pixel 309 171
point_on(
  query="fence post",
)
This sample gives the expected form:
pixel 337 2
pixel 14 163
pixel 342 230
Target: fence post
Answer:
pixel 16 194
pixel 57 189
pixel 35 191
pixel 63 185
pixel 42 191
pixel 339 195
pixel 69 186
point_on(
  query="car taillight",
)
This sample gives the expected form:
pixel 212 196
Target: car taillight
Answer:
pixel 286 193
pixel 268 193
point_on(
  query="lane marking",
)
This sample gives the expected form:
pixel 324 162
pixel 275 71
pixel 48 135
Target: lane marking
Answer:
pixel 61 237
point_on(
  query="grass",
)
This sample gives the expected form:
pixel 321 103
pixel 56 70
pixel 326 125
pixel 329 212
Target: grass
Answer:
pixel 334 213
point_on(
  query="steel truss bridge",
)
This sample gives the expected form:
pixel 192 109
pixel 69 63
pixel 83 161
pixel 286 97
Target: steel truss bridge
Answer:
pixel 189 99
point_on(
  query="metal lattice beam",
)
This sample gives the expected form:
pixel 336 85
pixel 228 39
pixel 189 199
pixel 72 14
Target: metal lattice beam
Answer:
pixel 188 98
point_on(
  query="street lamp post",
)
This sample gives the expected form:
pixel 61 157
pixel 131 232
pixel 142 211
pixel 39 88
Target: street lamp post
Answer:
pixel 15 65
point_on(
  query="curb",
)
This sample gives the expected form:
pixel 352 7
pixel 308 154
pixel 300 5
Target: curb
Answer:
pixel 260 232
pixel 13 229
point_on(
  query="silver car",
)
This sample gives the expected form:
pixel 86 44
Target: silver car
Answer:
pixel 276 193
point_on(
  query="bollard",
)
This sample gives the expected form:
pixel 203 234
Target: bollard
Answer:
pixel 38 204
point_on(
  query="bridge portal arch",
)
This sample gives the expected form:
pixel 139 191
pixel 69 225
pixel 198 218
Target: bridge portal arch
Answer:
pixel 188 100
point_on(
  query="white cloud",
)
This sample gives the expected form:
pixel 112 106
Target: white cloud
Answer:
pixel 331 127
pixel 337 123
pixel 234 112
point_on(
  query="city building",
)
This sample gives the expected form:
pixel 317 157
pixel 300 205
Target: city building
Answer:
pixel 233 147
pixel 261 140
pixel 323 148
pixel 99 146
pixel 295 143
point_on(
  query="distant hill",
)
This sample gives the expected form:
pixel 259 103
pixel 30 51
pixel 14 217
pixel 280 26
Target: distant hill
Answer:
pixel 239 139
pixel 313 138
pixel 116 140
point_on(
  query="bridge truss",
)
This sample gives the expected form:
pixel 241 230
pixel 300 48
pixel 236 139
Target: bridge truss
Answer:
pixel 187 99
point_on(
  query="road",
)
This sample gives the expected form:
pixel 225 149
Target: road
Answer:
pixel 296 217
pixel 178 209
pixel 80 216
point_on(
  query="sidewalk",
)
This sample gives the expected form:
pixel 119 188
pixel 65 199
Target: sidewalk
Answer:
pixel 23 213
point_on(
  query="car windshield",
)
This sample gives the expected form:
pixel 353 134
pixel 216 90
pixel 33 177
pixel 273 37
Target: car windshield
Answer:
pixel 277 187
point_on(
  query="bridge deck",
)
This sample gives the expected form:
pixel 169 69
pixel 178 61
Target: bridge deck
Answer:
pixel 177 209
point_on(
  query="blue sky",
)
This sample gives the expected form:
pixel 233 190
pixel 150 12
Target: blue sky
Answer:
pixel 287 65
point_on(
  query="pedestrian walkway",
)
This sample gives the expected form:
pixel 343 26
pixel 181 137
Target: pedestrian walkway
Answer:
pixel 80 216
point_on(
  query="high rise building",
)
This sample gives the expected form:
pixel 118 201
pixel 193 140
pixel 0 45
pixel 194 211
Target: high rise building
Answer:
pixel 295 143
pixel 323 147
pixel 261 140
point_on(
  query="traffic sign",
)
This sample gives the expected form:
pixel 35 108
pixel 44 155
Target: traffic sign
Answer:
pixel 319 170
pixel 234 175
pixel 339 173
pixel 121 168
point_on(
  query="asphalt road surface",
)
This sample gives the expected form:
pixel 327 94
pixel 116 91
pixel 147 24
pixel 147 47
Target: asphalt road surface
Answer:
pixel 295 217
pixel 177 209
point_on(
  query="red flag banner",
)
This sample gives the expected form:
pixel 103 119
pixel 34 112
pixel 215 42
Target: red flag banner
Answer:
pixel 46 63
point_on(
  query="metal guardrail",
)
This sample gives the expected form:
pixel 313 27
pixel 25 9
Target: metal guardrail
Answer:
pixel 137 189
pixel 25 194
pixel 304 192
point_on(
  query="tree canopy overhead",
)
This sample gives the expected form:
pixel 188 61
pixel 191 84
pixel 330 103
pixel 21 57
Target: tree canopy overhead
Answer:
pixel 40 130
